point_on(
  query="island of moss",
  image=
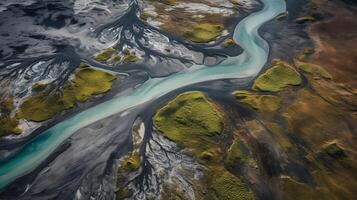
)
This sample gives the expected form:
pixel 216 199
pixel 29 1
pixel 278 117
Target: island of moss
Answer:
pixel 265 103
pixel 8 124
pixel 190 120
pixel 230 187
pixel 228 42
pixel 203 32
pixel 278 77
pixel 195 123
pixel 314 70
pixel 45 104
pixel 105 55
pixel 235 156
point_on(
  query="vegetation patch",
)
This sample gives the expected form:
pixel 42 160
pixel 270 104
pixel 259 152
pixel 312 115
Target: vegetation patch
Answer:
pixel 235 156
pixel 131 162
pixel 315 70
pixel 266 103
pixel 190 120
pixel 105 55
pixel 228 42
pixel 203 32
pixel 40 107
pixel 84 83
pixel 8 124
pixel 229 187
pixel 278 77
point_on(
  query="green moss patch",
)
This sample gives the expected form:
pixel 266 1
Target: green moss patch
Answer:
pixel 278 77
pixel 8 124
pixel 85 83
pixel 7 105
pixel 229 187
pixel 203 32
pixel 267 103
pixel 190 120
pixel 131 162
pixel 228 42
pixel 314 70
pixel 235 156
pixel 40 107
pixel 105 55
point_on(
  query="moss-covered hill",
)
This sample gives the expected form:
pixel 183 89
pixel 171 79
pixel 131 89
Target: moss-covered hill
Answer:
pixel 197 124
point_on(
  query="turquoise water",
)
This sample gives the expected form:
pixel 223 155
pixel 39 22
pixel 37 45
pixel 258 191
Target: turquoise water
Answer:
pixel 247 64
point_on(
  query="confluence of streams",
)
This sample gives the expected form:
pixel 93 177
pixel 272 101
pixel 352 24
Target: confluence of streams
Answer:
pixel 247 64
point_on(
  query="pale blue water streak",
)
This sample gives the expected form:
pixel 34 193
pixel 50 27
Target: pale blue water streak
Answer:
pixel 248 64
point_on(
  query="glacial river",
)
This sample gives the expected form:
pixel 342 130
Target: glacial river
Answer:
pixel 247 64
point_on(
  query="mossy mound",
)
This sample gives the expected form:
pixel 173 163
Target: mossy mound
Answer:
pixel 203 32
pixel 266 103
pixel 7 105
pixel 235 156
pixel 278 77
pixel 314 70
pixel 228 42
pixel 40 107
pixel 85 83
pixel 105 55
pixel 230 187
pixel 8 124
pixel 131 162
pixel 190 120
